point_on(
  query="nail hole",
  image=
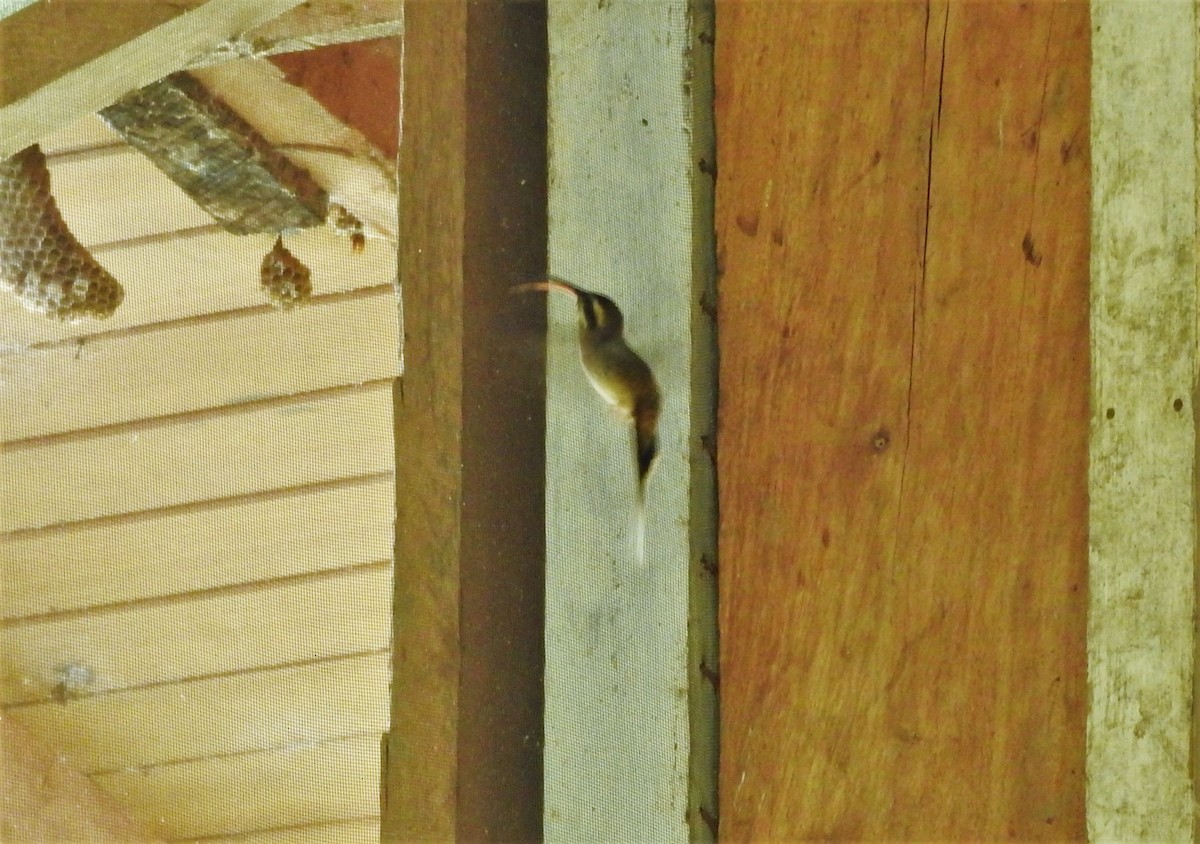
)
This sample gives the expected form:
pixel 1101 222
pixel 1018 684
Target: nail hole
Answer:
pixel 880 440
pixel 1178 405
pixel 1110 413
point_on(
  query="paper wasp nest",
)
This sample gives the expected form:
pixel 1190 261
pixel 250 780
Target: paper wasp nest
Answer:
pixel 222 162
pixel 40 260
pixel 284 279
pixel 230 170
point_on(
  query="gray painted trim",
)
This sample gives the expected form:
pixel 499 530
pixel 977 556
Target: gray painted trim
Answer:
pixel 625 220
pixel 1142 532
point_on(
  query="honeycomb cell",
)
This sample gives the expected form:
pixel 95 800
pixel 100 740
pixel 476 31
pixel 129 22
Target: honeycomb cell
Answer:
pixel 41 262
pixel 285 280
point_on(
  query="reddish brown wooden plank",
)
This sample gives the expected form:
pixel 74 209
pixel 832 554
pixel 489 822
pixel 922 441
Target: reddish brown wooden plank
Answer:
pixel 903 419
pixel 336 77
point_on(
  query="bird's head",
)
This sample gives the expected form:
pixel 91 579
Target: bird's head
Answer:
pixel 598 315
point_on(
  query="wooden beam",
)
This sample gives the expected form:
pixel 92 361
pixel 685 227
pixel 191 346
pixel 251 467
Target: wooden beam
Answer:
pixel 630 633
pixel 51 77
pixel 358 172
pixel 317 23
pixel 420 754
pixel 1142 495
pixel 903 419
pixel 46 799
pixel 371 69
pixel 36 51
pixel 464 757
pixel 11 7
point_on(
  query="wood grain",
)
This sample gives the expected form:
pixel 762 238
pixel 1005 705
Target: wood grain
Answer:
pixel 127 647
pixel 338 434
pixel 902 224
pixel 420 760
pixel 273 708
pixel 60 82
pixel 327 781
pixel 1142 657
pixel 309 529
pixel 463 759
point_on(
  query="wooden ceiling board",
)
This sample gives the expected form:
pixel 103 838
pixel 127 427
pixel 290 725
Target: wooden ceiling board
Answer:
pixel 205 273
pixel 92 173
pixel 46 799
pixel 99 563
pixel 276 445
pixel 329 781
pixel 86 133
pixel 308 618
pixel 273 708
pixel 247 356
pixel 46 98
pixel 355 173
pixel 119 195
pixel 213 579
pixel 359 831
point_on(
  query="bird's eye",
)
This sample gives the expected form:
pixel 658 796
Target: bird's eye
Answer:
pixel 589 309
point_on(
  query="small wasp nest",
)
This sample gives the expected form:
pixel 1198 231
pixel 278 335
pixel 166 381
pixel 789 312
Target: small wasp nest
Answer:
pixel 41 262
pixel 284 279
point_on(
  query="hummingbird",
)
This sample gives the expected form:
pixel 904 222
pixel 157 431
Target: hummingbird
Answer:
pixel 617 373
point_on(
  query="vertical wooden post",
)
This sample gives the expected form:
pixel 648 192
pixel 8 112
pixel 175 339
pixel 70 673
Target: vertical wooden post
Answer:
pixel 630 638
pixel 902 221
pixel 1141 635
pixel 463 760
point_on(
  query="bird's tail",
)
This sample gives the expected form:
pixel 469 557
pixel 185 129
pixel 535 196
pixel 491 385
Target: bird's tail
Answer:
pixel 639 524
pixel 645 444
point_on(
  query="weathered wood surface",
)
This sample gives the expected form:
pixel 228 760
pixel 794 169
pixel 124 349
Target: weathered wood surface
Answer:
pixel 903 198
pixel 319 24
pixel 52 78
pixel 1142 471
pixel 463 760
pixel 197 498
pixel 420 754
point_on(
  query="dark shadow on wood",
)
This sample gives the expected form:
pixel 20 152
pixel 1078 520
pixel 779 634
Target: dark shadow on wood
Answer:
pixel 464 758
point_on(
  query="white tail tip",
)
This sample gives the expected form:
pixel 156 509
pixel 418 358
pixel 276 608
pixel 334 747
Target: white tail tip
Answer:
pixel 639 535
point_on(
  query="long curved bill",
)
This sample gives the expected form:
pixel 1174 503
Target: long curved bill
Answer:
pixel 545 286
